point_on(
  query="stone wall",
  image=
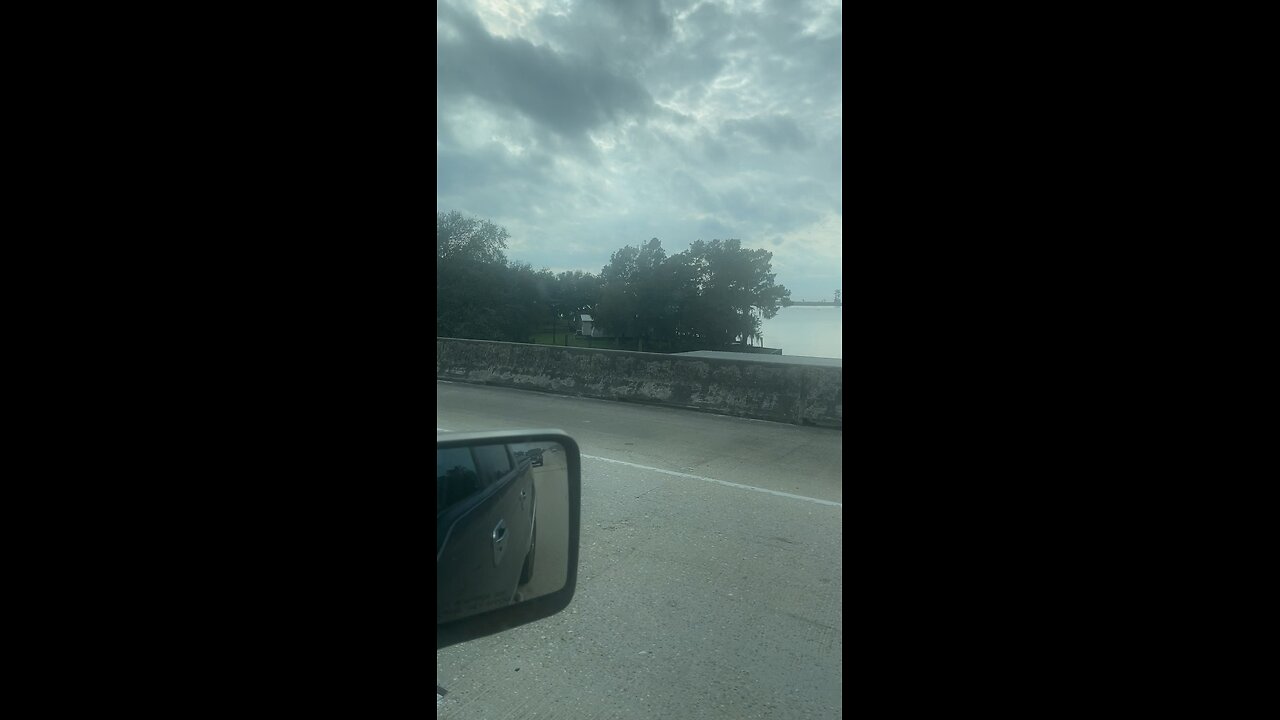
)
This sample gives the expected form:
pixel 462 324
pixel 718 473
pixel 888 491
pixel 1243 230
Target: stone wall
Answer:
pixel 800 394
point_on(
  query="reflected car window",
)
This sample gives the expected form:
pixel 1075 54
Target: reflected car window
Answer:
pixel 493 463
pixel 456 478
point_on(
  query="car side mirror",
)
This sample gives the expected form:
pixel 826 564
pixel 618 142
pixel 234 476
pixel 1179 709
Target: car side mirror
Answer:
pixel 507 521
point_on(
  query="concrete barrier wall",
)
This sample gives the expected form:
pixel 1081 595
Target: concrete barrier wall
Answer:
pixel 798 394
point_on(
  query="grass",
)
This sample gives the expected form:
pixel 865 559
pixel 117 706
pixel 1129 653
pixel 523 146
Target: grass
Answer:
pixel 544 338
pixel 544 335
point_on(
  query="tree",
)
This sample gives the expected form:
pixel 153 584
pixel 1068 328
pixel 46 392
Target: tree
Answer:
pixel 523 301
pixel 652 292
pixel 616 310
pixel 478 295
pixel 578 290
pixel 465 238
pixel 730 281
pixel 636 293
pixel 703 298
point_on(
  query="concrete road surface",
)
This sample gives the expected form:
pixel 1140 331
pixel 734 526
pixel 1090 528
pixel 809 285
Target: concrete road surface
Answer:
pixel 551 485
pixel 710 578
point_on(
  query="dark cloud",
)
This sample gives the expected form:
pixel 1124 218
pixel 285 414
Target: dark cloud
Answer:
pixel 569 95
pixel 491 165
pixel 645 17
pixel 598 123
pixel 620 34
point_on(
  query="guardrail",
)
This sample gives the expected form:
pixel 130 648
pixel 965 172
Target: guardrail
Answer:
pixel 800 394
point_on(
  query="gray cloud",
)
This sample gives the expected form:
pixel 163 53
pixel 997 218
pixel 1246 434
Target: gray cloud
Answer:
pixel 693 192
pixel 774 132
pixel 645 17
pixel 566 94
pixel 619 34
pixel 592 124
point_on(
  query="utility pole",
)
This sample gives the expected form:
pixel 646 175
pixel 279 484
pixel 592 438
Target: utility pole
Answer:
pixel 555 306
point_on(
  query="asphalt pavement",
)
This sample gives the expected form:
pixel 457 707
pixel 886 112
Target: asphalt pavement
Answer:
pixel 710 577
pixel 551 482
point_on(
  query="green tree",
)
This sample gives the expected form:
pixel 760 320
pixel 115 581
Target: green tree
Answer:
pixel 652 293
pixel 478 294
pixel 617 308
pixel 578 290
pixel 730 281
pixel 524 301
pixel 636 294
pixel 710 296
pixel 469 239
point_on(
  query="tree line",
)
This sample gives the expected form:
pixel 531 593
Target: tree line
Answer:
pixel 708 297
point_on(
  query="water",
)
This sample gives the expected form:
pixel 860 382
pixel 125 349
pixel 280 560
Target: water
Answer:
pixel 812 331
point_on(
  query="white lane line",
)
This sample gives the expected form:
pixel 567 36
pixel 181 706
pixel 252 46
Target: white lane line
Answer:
pixel 713 480
pixel 707 479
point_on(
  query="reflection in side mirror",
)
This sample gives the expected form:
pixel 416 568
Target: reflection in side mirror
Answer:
pixel 506 529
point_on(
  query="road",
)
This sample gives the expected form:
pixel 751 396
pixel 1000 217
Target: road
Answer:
pixel 551 481
pixel 710 577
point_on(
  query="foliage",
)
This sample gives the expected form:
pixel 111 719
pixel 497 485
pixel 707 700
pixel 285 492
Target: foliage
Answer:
pixel 469 239
pixel 730 282
pixel 478 294
pixel 578 291
pixel 704 297
pixel 707 297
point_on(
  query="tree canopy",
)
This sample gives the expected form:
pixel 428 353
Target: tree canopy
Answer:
pixel 705 296
pixel 708 297
pixel 470 239
pixel 478 294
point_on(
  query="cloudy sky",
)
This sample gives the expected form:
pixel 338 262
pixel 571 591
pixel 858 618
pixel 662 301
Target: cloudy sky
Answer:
pixel 585 125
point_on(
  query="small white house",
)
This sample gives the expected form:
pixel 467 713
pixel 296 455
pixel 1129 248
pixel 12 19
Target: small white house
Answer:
pixel 587 327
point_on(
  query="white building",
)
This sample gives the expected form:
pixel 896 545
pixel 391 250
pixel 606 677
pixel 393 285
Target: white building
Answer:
pixel 587 327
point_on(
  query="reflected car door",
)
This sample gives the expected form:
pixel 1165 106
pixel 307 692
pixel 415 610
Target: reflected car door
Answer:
pixel 483 530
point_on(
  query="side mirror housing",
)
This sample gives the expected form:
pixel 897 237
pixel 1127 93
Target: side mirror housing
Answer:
pixel 507 523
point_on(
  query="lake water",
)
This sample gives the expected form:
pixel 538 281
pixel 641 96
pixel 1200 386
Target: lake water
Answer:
pixel 811 331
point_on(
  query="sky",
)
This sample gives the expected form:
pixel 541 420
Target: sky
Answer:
pixel 584 126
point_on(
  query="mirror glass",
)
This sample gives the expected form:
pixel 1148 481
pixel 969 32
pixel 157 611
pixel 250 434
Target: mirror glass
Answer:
pixel 502 526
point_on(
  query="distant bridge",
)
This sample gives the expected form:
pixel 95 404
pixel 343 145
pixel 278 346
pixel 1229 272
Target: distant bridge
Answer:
pixel 811 304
